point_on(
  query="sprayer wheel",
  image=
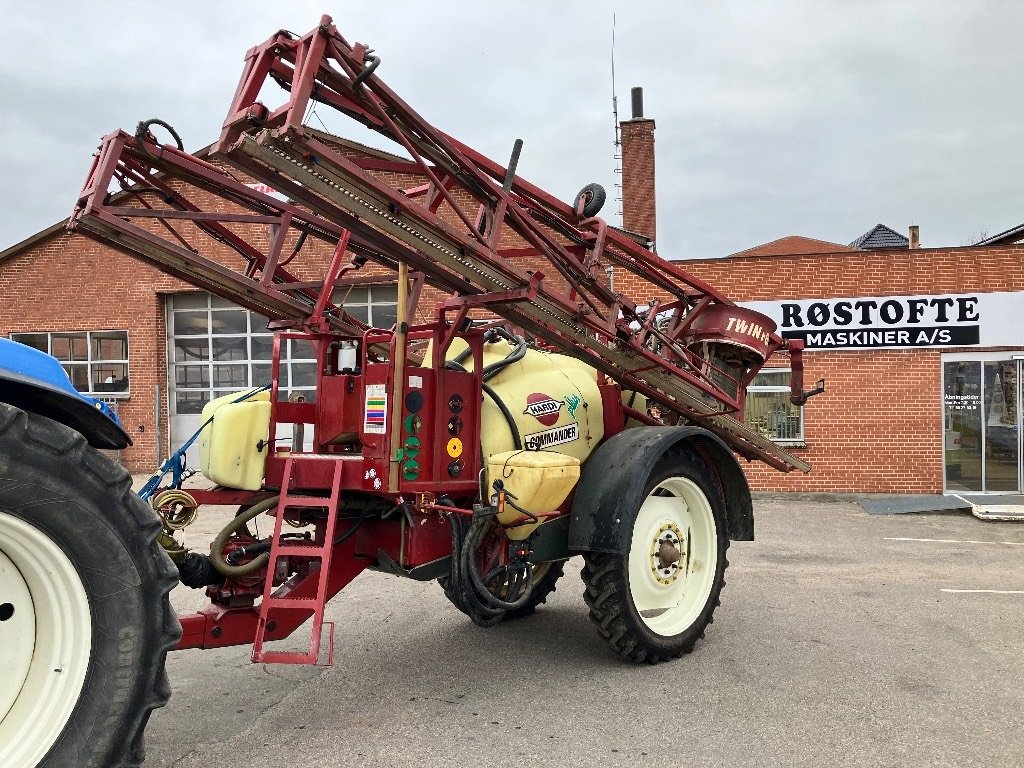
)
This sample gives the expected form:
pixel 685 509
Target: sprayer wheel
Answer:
pixel 655 601
pixel 544 577
pixel 85 620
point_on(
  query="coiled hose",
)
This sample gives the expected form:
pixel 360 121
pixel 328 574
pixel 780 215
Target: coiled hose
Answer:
pixel 468 590
pixel 217 548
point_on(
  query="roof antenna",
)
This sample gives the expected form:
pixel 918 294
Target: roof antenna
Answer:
pixel 617 144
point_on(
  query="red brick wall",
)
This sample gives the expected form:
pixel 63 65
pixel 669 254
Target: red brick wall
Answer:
pixel 70 283
pixel 878 427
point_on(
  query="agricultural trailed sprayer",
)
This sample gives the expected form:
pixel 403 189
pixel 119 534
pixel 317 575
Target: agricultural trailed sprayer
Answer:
pixel 531 414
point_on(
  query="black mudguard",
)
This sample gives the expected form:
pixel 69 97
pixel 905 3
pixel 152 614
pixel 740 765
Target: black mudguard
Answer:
pixel 74 412
pixel 611 487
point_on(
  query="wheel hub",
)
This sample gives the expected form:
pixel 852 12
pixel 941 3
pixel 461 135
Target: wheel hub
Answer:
pixel 17 633
pixel 45 641
pixel 667 551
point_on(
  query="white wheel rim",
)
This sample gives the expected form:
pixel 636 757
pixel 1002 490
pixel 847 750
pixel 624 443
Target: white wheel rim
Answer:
pixel 670 594
pixel 45 642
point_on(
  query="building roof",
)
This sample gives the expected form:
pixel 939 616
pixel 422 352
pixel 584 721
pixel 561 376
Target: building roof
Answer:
pixel 881 237
pixel 792 245
pixel 1012 235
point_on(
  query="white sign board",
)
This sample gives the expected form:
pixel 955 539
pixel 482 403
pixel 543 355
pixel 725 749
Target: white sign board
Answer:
pixel 900 322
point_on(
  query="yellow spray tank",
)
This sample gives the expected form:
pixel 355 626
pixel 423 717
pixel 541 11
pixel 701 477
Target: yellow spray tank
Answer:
pixel 541 417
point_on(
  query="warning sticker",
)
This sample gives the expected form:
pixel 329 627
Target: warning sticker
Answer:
pixel 375 415
pixel 555 436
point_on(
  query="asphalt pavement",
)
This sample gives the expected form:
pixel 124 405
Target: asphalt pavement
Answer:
pixel 843 639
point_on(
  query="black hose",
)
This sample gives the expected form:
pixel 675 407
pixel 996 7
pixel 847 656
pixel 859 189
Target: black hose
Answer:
pixel 517 440
pixel 517 354
pixel 458 588
pixel 143 128
pixel 520 583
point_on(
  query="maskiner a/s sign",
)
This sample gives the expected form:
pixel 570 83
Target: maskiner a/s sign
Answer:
pixel 877 322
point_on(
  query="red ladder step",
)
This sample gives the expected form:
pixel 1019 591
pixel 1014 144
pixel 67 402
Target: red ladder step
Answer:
pixel 278 605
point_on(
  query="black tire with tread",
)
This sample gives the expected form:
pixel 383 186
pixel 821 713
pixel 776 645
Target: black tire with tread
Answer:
pixel 52 479
pixel 542 589
pixel 606 578
pixel 593 197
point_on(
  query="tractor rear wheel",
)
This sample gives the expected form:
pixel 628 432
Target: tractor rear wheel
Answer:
pixel 654 602
pixel 85 620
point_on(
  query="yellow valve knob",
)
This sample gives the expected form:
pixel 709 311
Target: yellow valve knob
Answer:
pixel 455 447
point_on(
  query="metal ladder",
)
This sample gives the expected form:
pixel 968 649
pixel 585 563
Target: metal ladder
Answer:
pixel 277 605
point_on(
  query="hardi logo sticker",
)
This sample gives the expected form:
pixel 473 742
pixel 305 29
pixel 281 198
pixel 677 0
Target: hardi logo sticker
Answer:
pixel 556 436
pixel 543 408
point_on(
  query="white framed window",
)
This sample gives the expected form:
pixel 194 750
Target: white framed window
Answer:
pixel 769 410
pixel 375 305
pixel 95 361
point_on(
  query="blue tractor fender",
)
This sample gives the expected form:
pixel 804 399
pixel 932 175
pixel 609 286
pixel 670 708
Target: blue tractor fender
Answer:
pixel 35 382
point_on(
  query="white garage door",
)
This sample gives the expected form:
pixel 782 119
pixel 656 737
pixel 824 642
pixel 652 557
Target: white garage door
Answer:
pixel 216 347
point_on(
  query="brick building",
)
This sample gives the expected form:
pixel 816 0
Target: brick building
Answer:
pixel 902 412
pixel 921 349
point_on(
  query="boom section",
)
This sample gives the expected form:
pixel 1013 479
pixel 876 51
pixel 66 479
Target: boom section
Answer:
pixel 528 257
pixel 195 221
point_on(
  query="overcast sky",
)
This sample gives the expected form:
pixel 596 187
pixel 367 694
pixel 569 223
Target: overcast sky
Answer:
pixel 811 117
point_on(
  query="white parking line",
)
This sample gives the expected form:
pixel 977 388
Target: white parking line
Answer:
pixel 955 541
pixel 985 591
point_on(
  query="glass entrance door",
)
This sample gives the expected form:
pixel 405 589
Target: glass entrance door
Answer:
pixel 982 420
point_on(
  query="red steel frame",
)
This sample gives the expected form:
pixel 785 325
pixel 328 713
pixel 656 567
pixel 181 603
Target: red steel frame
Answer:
pixel 659 350
pixel 667 351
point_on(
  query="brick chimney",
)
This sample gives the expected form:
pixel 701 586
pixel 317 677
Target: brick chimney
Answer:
pixel 637 135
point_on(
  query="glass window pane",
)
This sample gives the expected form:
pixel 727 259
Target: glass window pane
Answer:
pixel 355 294
pixel 191 350
pixel 190 402
pixel 384 315
pixel 79 375
pixel 383 294
pixel 258 323
pixel 191 323
pixel 300 349
pixel 217 301
pixel 303 375
pixel 109 345
pixel 38 341
pixel 192 376
pixel 110 377
pixel 963 445
pixel 231 376
pixel 260 374
pixel 1002 443
pixel 230 348
pixel 229 321
pixel 361 313
pixel 70 346
pixel 772 378
pixel 262 347
pixel 772 415
pixel 191 300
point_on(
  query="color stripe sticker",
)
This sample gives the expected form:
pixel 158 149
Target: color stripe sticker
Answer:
pixel 375 413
